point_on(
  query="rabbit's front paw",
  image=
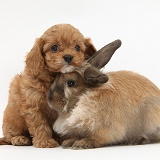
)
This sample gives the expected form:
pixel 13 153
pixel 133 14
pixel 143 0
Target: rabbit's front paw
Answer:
pixel 69 142
pixel 45 143
pixel 83 144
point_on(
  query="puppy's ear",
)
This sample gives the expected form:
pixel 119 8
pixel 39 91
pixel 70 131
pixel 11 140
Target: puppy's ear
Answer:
pixel 34 59
pixel 90 49
pixel 94 77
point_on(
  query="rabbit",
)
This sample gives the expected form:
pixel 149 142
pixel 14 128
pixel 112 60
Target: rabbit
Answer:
pixel 113 108
pixel 97 109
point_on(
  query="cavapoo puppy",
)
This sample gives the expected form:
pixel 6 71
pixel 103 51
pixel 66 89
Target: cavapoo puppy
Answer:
pixel 27 118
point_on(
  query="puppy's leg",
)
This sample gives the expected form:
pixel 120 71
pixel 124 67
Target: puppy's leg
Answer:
pixel 20 141
pixel 38 128
pixel 14 128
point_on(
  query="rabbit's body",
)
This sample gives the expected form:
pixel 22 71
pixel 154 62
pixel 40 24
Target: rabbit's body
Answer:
pixel 125 110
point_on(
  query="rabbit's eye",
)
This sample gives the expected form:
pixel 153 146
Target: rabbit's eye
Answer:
pixel 71 83
pixel 54 48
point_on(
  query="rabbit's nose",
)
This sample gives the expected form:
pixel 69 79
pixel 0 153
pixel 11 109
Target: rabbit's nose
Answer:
pixel 68 58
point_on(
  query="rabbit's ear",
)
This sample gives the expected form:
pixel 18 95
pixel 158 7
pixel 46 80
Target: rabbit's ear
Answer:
pixel 102 57
pixel 94 77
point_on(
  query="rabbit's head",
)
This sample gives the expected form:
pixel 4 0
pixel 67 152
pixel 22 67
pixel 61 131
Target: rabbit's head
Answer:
pixel 66 88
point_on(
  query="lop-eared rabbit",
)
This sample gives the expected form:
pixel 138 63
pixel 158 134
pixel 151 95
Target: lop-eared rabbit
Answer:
pixel 97 109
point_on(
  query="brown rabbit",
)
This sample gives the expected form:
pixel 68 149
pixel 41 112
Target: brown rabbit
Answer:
pixel 97 109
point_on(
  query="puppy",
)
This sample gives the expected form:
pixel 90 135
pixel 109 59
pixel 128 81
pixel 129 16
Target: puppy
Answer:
pixel 61 48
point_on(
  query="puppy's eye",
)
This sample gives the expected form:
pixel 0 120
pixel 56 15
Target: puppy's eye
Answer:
pixel 54 48
pixel 77 47
pixel 71 83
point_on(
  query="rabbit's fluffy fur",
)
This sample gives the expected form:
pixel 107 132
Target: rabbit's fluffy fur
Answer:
pixel 125 110
pixel 60 49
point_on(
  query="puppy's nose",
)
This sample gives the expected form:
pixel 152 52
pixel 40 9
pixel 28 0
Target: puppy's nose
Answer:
pixel 68 58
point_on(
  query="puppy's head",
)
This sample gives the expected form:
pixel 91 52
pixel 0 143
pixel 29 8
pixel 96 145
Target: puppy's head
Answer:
pixel 60 49
pixel 68 87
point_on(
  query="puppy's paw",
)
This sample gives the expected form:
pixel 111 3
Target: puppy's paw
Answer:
pixel 68 143
pixel 45 143
pixel 83 144
pixel 20 141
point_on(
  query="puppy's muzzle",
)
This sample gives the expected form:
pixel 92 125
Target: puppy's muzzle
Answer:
pixel 68 58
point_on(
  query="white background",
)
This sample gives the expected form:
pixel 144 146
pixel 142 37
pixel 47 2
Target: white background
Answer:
pixel 136 23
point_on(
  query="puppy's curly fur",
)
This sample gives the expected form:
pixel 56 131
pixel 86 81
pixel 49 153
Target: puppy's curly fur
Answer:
pixel 60 49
